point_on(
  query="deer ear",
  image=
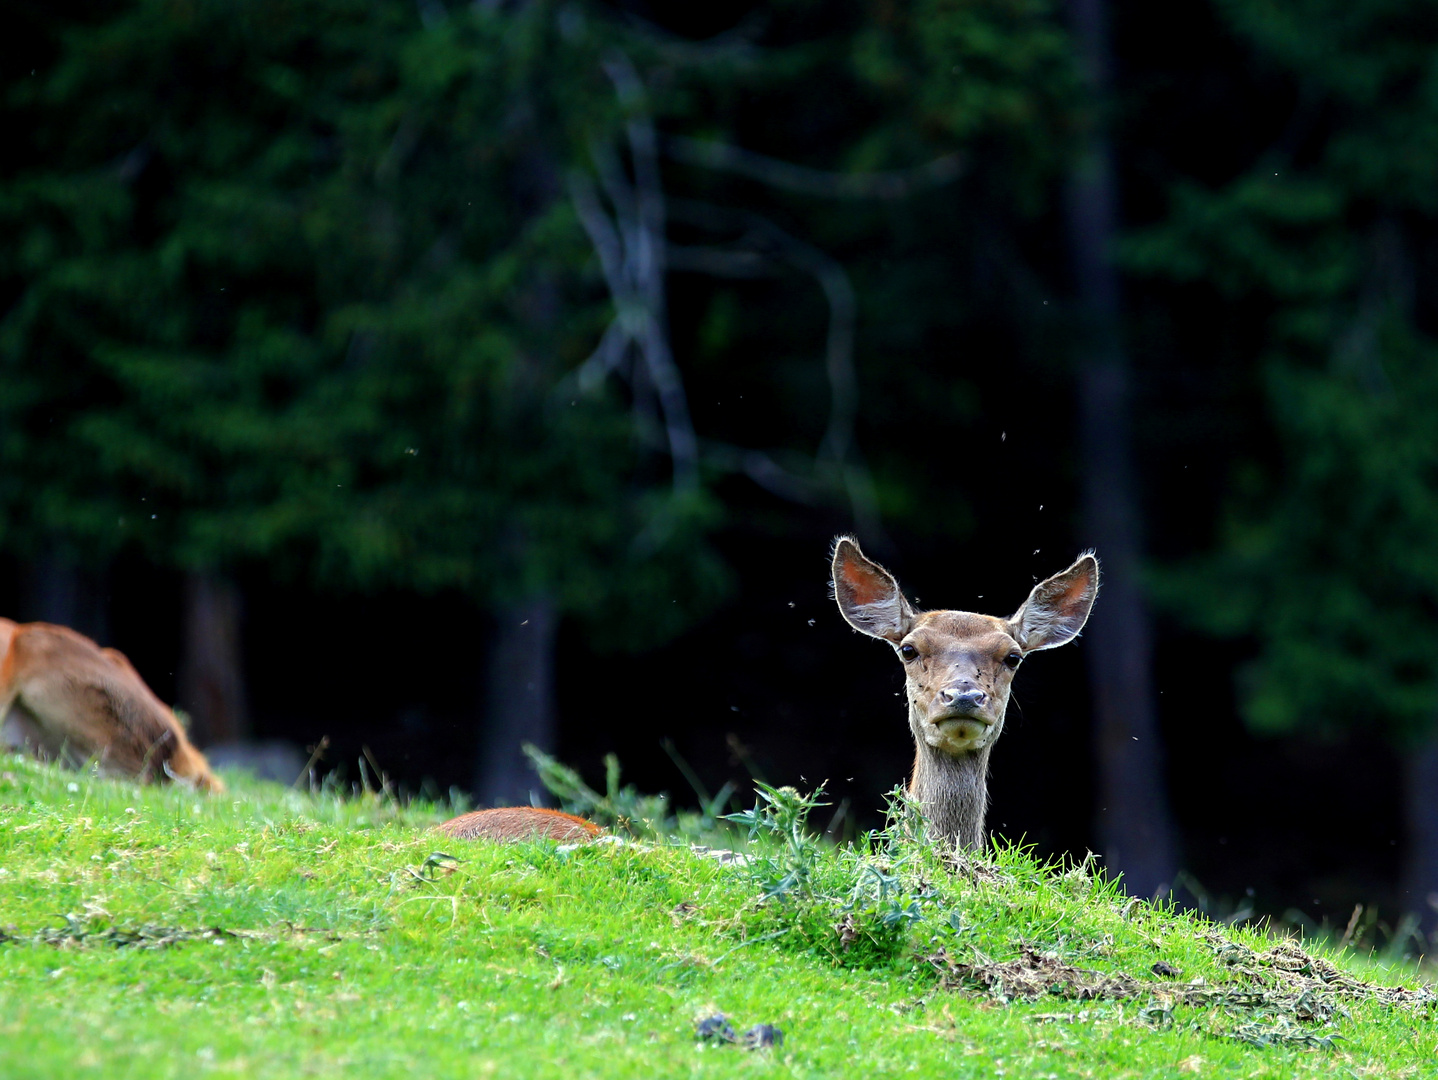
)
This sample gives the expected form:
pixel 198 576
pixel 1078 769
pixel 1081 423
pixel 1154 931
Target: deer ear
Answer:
pixel 867 594
pixel 1058 607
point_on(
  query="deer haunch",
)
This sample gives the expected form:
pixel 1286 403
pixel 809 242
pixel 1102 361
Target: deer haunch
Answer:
pixel 507 823
pixel 64 697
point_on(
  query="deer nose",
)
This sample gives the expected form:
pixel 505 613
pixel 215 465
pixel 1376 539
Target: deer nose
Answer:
pixel 958 697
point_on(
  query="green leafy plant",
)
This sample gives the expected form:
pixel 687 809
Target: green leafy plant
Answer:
pixel 624 810
pixel 855 905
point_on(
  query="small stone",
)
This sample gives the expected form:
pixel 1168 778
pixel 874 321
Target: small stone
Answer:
pixel 715 1028
pixel 762 1037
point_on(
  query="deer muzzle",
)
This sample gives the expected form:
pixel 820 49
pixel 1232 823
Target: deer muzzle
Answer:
pixel 960 700
pixel 958 720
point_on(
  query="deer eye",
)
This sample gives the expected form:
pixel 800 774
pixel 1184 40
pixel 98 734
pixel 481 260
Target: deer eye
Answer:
pixel 1013 660
pixel 908 652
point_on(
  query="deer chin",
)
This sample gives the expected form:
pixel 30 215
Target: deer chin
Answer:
pixel 959 734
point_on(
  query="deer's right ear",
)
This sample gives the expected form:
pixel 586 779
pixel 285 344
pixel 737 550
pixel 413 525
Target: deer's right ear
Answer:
pixel 867 594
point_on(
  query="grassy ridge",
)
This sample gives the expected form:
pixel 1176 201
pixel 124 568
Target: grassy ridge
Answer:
pixel 150 932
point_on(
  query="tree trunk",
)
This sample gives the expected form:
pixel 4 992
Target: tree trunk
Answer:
pixel 1134 824
pixel 520 703
pixel 1420 811
pixel 211 682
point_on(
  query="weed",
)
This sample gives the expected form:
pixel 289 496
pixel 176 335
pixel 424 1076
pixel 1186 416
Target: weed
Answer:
pixel 853 905
pixel 623 810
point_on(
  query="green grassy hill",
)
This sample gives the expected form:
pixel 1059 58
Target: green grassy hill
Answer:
pixel 150 932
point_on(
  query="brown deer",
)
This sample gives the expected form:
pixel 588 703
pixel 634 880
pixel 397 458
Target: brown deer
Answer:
pixel 64 697
pixel 958 668
pixel 506 823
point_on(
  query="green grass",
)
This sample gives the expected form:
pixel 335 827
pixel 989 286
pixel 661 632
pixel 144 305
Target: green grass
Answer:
pixel 150 932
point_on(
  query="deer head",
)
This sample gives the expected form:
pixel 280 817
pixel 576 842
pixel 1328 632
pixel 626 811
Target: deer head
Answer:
pixel 958 668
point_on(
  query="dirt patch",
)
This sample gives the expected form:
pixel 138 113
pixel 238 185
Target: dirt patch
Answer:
pixel 1278 995
pixel 1029 977
pixel 80 934
pixel 1284 973
pixel 973 868
pixel 1287 968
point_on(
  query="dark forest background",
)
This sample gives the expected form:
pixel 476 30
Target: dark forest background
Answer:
pixel 433 377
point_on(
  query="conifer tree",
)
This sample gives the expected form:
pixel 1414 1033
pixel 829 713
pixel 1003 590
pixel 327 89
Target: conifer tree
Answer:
pixel 1317 257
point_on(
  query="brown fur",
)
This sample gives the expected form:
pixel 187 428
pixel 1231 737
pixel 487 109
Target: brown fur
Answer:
pixel 511 823
pixel 959 668
pixel 69 699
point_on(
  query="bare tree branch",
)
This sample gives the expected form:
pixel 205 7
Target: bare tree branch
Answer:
pixel 735 48
pixel 761 468
pixel 631 248
pixel 607 356
pixel 838 447
pixel 615 181
pixel 623 330
pixel 889 184
pixel 635 256
pixel 607 241
pixel 720 262
pixel 647 273
pixel 839 350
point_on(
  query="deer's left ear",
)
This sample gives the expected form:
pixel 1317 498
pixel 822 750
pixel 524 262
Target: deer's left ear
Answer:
pixel 1058 607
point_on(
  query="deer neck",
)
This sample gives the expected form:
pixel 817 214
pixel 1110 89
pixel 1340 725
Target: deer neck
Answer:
pixel 953 793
